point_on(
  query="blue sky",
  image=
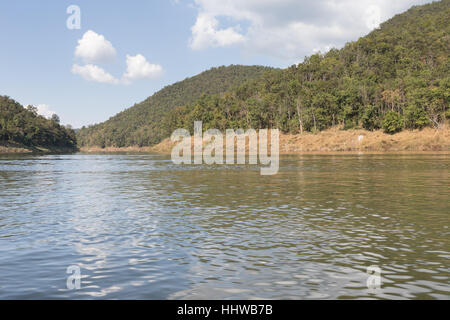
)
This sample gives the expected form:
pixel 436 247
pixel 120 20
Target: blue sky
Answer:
pixel 126 51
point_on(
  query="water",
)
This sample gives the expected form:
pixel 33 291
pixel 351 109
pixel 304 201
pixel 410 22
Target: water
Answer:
pixel 140 227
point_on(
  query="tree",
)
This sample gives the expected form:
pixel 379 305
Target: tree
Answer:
pixel 370 119
pixel 392 123
pixel 415 117
pixel 55 118
pixel 22 125
pixel 33 110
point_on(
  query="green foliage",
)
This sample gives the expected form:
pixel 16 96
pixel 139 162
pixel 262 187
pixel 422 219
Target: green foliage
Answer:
pixel 24 126
pixel 55 118
pixel 401 68
pixel 392 123
pixel 145 124
pixel 370 119
pixel 415 118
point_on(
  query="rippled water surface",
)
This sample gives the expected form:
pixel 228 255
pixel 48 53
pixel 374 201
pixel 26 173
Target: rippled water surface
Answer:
pixel 140 227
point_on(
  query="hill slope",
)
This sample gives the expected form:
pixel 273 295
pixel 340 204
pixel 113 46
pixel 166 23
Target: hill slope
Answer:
pixel 395 78
pixel 141 124
pixel 23 128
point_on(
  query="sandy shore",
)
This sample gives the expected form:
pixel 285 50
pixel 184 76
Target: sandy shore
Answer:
pixel 335 141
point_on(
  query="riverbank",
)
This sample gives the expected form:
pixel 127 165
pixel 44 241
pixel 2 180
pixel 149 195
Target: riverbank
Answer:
pixel 13 148
pixel 9 149
pixel 333 141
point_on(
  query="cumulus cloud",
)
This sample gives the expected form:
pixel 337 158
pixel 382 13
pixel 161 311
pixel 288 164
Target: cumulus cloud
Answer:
pixel 289 29
pixel 139 68
pixel 44 110
pixel 94 48
pixel 206 33
pixel 94 73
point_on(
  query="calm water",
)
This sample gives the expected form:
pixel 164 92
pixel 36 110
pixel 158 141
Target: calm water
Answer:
pixel 140 227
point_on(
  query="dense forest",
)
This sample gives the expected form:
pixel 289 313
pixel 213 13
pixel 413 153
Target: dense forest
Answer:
pixel 395 78
pixel 24 127
pixel 141 124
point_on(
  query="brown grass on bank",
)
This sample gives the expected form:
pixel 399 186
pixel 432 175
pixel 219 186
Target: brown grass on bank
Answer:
pixel 6 148
pixel 116 149
pixel 336 140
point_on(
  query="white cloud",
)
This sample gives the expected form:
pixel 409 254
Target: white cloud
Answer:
pixel 94 48
pixel 289 29
pixel 205 33
pixel 44 110
pixel 94 73
pixel 139 68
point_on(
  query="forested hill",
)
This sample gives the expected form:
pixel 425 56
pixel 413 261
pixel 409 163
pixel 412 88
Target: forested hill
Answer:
pixel 395 78
pixel 141 124
pixel 23 127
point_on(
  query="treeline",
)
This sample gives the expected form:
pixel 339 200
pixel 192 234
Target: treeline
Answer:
pixel 25 127
pixel 141 124
pixel 395 78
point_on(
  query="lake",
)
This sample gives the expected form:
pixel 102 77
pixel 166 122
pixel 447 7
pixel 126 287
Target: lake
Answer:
pixel 140 227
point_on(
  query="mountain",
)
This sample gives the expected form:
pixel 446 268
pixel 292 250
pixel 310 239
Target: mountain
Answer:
pixel 23 127
pixel 395 78
pixel 141 124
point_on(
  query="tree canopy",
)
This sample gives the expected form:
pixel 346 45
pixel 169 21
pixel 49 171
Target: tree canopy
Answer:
pixel 141 124
pixel 25 127
pixel 395 78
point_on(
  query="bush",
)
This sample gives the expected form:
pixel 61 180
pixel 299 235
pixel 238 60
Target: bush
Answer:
pixel 392 123
pixel 415 118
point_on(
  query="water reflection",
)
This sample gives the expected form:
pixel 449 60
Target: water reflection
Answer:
pixel 141 227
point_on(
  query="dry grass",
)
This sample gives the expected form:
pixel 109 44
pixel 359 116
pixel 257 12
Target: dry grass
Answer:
pixel 11 148
pixel 116 150
pixel 332 140
pixel 336 140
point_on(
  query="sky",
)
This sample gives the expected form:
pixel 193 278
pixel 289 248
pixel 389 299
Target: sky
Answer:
pixel 88 60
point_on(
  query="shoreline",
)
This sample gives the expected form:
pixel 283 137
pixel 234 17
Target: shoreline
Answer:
pixel 11 148
pixel 332 141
